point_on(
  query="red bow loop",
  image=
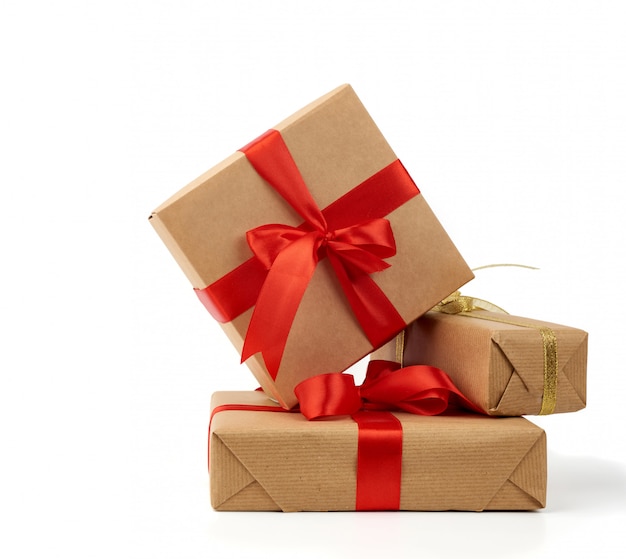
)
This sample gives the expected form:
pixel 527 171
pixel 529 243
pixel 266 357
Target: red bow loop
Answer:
pixel 328 395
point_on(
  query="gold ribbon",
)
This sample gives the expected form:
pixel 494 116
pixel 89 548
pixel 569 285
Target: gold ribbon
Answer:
pixel 400 349
pixel 464 305
pixel 457 303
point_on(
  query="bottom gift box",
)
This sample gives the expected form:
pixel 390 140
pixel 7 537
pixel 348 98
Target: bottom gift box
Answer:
pixel 264 458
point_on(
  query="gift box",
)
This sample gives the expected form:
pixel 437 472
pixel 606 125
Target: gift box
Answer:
pixel 267 461
pixel 311 246
pixel 506 365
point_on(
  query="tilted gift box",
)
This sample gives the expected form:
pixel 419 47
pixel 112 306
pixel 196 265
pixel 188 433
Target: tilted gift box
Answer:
pixel 359 207
pixel 281 462
pixel 506 365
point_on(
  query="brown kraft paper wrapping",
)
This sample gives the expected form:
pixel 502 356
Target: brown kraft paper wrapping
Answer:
pixel 336 146
pixel 498 366
pixel 282 462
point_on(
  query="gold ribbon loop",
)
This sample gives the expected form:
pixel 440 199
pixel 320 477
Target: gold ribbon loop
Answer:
pixel 457 303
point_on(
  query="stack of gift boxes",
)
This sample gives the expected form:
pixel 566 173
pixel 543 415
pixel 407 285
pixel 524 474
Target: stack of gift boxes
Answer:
pixel 313 248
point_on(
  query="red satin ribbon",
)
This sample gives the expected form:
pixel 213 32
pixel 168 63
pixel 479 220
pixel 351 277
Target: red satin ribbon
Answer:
pixel 417 389
pixel 351 232
pixel 379 461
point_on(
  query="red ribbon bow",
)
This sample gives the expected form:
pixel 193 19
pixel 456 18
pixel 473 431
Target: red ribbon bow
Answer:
pixel 418 389
pixel 291 254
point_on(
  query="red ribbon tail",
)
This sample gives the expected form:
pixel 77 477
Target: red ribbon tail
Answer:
pixel 278 302
pixel 373 310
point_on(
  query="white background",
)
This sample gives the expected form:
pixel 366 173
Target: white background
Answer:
pixel 510 116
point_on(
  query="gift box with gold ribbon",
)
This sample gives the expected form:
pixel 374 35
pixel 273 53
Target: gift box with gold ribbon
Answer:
pixel 506 365
pixel 312 245
pixel 371 459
